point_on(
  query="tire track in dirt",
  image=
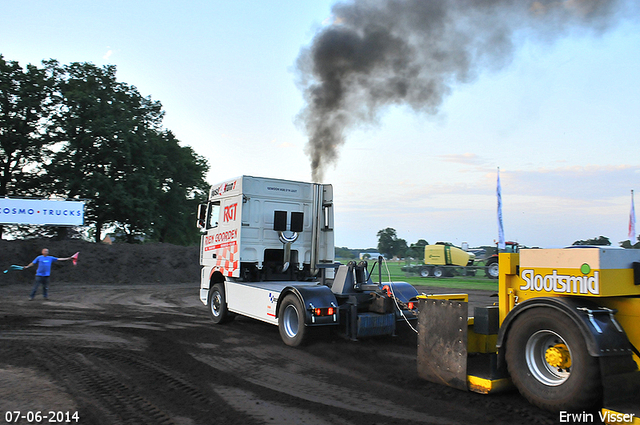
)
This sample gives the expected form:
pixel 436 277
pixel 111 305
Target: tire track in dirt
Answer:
pixel 314 386
pixel 115 401
pixel 269 412
pixel 170 378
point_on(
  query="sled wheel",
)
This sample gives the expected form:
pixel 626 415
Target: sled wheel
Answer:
pixel 548 361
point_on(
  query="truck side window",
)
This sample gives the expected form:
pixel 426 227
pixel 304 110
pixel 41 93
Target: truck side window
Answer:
pixel 214 214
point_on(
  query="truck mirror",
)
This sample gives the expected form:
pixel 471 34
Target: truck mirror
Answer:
pixel 297 221
pixel 202 215
pixel 279 221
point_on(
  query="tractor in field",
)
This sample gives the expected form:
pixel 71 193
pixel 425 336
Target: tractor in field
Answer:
pixel 491 264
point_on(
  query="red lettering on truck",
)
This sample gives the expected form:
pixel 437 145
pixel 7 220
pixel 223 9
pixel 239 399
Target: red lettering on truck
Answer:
pixel 219 238
pixel 230 213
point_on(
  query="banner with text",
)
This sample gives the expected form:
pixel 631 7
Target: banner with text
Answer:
pixel 41 212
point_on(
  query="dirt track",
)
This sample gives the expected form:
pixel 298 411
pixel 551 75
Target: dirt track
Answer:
pixel 149 354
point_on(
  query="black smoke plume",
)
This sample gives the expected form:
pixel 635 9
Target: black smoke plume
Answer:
pixel 378 53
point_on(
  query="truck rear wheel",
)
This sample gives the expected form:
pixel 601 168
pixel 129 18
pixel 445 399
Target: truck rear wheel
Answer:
pixel 218 304
pixel 291 318
pixel 491 268
pixel 548 361
pixel 438 272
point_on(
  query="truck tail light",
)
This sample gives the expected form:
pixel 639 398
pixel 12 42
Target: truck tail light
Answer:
pixel 324 311
pixel 411 305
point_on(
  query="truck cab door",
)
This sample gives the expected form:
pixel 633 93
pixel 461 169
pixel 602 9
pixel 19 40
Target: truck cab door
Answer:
pixel 220 248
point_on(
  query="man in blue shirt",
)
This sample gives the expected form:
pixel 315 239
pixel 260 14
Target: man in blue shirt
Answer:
pixel 44 262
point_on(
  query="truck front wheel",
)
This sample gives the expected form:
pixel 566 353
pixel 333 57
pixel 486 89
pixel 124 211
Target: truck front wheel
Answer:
pixel 291 319
pixel 548 361
pixel 218 304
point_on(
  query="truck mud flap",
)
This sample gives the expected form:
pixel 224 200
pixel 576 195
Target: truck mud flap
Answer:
pixel 442 342
pixel 621 385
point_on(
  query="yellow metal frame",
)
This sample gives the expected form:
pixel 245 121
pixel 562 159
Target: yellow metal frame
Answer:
pixel 606 413
pixel 487 386
pixel 452 297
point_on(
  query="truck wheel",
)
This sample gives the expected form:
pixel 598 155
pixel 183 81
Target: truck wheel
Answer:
pixel 218 304
pixel 425 272
pixel 548 361
pixel 491 268
pixel 438 272
pixel 291 319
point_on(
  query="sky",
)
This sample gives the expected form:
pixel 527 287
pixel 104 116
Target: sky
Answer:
pixel 561 119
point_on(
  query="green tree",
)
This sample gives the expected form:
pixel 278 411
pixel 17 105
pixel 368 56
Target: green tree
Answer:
pixel 103 127
pixel 346 253
pixel 389 244
pixel 600 240
pixel 181 188
pixel 416 250
pixel 74 131
pixel 421 243
pixel 25 101
pixel 114 153
pixel 627 244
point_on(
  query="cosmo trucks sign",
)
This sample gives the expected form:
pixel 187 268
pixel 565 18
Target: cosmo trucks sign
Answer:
pixel 41 212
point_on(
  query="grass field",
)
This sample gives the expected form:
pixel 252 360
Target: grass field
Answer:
pixel 456 282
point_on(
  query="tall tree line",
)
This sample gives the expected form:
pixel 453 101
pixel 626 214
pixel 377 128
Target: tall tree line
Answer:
pixel 75 131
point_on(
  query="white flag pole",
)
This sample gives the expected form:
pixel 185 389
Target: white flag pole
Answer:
pixel 632 222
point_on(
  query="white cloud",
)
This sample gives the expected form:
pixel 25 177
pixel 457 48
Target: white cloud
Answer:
pixel 465 158
pixel 282 145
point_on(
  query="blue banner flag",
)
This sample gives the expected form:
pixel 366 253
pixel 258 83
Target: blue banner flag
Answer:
pixel 501 244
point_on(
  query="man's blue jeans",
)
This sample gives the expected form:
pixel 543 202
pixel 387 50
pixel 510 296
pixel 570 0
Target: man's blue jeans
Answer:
pixel 44 281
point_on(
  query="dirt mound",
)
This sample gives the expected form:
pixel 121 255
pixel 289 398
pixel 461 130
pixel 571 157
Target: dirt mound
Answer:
pixel 102 263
